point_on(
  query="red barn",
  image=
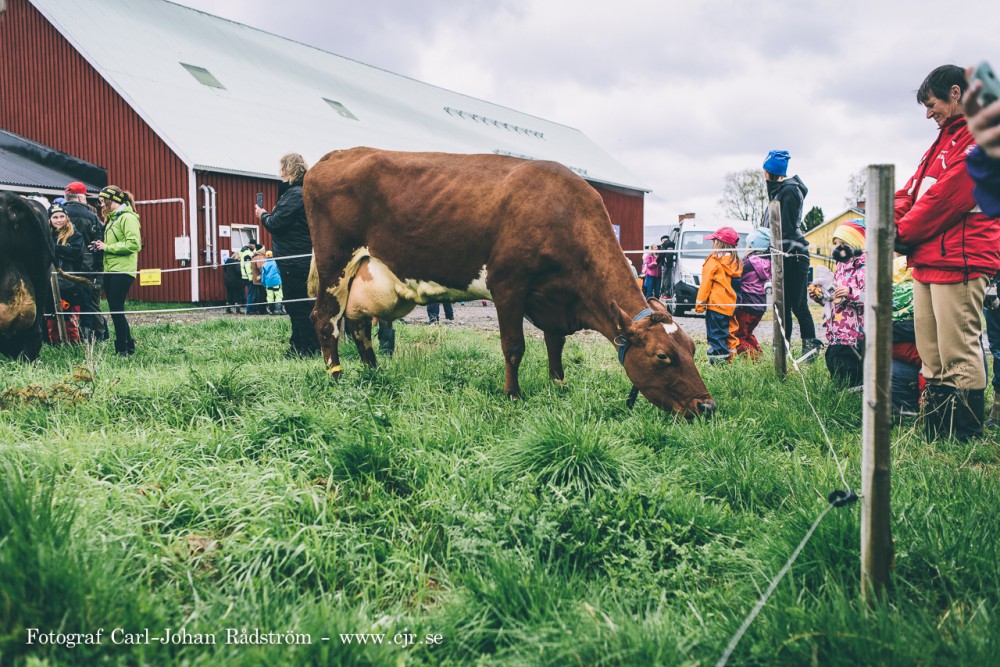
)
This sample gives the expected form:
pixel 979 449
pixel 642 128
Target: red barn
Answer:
pixel 191 113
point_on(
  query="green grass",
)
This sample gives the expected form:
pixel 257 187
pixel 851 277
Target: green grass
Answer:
pixel 209 483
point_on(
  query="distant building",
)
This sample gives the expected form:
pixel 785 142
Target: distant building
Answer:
pixel 29 168
pixel 820 238
pixel 191 113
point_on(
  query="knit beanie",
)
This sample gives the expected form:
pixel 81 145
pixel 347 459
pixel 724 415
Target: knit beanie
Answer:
pixel 777 163
pixel 852 233
pixel 112 193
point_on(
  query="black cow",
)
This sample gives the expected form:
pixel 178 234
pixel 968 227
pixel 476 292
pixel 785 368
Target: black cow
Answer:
pixel 26 257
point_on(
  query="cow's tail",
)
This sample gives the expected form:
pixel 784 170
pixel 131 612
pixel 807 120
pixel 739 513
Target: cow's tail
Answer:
pixel 312 282
pixel 312 289
pixel 81 280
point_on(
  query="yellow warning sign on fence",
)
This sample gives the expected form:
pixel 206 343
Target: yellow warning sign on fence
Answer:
pixel 150 277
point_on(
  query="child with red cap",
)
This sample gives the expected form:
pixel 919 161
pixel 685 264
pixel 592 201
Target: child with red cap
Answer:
pixel 717 296
pixel 843 317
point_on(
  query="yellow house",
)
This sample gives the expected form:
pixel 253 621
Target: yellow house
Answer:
pixel 820 238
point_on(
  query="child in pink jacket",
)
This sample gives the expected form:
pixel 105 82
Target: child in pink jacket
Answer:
pixel 844 313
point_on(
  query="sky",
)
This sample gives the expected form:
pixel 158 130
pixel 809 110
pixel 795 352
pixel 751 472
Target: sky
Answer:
pixel 681 93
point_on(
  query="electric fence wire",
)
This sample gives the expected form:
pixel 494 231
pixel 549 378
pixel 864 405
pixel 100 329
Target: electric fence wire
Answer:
pixel 835 499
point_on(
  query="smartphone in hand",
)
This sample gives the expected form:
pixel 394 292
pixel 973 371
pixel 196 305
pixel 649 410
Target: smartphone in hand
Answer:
pixel 991 86
pixel 260 199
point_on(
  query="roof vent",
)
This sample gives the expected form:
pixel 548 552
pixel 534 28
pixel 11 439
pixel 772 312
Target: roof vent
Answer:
pixel 340 108
pixel 203 76
pixel 485 120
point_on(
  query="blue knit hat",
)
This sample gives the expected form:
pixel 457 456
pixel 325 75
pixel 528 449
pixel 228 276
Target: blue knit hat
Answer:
pixel 759 239
pixel 777 163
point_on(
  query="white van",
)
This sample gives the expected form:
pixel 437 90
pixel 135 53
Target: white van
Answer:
pixel 689 238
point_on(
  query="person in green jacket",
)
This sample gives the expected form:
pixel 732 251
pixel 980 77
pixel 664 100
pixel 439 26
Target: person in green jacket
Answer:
pixel 121 245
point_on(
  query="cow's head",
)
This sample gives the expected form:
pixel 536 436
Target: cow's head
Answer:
pixel 658 357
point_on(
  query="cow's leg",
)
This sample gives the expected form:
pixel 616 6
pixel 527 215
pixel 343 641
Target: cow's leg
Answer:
pixel 361 332
pixel 324 311
pixel 554 345
pixel 327 313
pixel 510 317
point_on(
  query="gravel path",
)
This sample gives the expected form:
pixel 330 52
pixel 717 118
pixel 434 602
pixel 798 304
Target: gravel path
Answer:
pixel 472 315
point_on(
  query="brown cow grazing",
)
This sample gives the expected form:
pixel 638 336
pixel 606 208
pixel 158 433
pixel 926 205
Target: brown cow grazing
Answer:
pixel 391 230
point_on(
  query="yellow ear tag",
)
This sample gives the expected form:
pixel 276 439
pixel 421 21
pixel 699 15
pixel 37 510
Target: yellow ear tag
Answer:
pixel 333 369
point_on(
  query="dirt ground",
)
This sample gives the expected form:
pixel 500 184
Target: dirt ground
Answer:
pixel 472 314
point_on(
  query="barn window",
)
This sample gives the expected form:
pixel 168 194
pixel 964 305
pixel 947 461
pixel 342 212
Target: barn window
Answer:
pixel 203 76
pixel 340 108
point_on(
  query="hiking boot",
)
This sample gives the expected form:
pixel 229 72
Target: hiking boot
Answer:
pixel 939 411
pixel 969 408
pixel 994 418
pixel 386 341
pixel 810 344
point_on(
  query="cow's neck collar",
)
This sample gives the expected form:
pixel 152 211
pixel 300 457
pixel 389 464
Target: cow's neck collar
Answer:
pixel 623 342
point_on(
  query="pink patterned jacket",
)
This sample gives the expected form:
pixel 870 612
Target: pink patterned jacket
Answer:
pixel 844 321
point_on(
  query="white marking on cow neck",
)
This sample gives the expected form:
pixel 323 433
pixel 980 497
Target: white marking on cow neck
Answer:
pixel 670 328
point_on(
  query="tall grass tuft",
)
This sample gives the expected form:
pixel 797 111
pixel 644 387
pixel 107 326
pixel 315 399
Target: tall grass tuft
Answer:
pixel 568 451
pixel 53 575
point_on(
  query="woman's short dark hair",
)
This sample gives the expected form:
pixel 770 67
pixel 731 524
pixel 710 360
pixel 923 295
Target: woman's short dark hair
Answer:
pixel 939 82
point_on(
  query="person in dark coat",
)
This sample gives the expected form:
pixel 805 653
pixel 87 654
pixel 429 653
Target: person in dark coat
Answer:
pixel 69 247
pixel 290 237
pixel 790 193
pixel 232 278
pixel 86 222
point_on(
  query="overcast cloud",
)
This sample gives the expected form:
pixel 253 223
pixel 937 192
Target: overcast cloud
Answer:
pixel 680 92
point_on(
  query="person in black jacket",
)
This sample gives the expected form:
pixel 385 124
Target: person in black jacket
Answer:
pixel 86 222
pixel 791 194
pixel 290 236
pixel 232 278
pixel 68 246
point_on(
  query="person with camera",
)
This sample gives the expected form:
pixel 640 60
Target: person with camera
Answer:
pixel 666 262
pixel 290 236
pixel 954 250
pixel 85 220
pixel 983 165
pixel 121 245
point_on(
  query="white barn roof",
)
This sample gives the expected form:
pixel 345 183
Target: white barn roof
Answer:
pixel 279 95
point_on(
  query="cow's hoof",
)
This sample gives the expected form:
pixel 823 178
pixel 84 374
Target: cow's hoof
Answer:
pixel 562 384
pixel 334 371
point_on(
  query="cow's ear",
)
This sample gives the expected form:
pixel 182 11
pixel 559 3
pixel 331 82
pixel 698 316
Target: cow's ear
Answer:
pixel 658 307
pixel 620 318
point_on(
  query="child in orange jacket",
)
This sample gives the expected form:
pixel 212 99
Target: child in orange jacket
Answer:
pixel 716 295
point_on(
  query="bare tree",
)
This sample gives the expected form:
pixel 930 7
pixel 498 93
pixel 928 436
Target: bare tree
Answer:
pixel 856 187
pixel 744 195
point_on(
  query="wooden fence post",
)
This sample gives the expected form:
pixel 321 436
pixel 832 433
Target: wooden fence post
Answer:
pixel 876 530
pixel 57 301
pixel 777 290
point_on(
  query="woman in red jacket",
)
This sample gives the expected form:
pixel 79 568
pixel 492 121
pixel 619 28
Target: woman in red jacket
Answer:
pixel 954 250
